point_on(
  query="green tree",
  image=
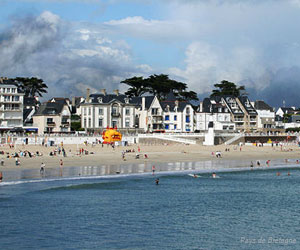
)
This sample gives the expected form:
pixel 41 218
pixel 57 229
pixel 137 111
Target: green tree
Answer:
pixel 138 86
pixel 31 86
pixel 228 88
pixel 159 85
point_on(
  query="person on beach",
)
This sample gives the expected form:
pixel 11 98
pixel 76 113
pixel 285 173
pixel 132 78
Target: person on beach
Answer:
pixel 258 163
pixel 2 161
pixel 1 176
pixel 42 170
pixel 157 181
pixel 251 165
pixel 17 161
pixel 61 163
pixel 153 170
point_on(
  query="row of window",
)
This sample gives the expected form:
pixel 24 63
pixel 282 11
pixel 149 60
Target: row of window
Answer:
pixel 114 111
pixel 8 90
pixel 8 98
pixel 187 118
pixel 100 123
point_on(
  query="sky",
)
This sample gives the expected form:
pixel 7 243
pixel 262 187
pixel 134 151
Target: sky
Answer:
pixel 78 44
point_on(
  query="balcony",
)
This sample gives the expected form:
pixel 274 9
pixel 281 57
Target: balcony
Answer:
pixel 115 114
pixel 50 124
pixel 65 124
pixel 157 121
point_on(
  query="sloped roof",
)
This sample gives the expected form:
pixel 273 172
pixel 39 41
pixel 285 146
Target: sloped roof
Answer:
pixel 50 108
pixel 261 105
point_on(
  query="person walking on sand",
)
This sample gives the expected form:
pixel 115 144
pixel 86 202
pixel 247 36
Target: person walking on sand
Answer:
pixel 153 170
pixel 61 163
pixel 2 161
pixel 42 170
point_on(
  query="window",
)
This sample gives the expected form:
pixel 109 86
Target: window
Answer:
pixel 89 111
pixel 114 110
pixel 127 123
pixel 187 119
pixel 13 90
pixel 175 126
pixel 100 123
pixel 84 123
pixel 127 111
pixel 154 111
pixel 126 100
pixel 90 122
pixel 15 98
pixel 6 98
pixel 175 117
pixel 100 99
pixel 114 124
pixel 8 90
pixel 84 111
pixel 49 120
pixel 167 117
pixel 167 126
pixel 100 112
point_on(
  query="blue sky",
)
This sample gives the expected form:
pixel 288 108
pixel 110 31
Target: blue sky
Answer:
pixel 73 45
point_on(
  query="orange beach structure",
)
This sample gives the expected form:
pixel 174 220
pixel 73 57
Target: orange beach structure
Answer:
pixel 111 135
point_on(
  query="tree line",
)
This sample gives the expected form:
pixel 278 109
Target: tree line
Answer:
pixel 159 85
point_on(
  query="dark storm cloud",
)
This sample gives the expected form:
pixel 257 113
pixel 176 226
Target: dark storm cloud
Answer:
pixel 68 57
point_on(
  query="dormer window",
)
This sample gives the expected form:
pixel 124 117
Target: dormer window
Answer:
pixel 168 108
pixel 100 99
pixel 126 100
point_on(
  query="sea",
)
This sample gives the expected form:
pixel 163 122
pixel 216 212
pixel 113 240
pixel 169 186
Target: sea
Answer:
pixel 117 208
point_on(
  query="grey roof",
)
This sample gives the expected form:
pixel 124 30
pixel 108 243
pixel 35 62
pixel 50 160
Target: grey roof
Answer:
pixel 247 105
pixel 50 108
pixel 294 118
pixel 108 98
pixel 287 110
pixel 217 107
pixel 261 105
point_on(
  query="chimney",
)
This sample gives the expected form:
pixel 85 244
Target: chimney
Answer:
pixel 103 91
pixel 87 95
pixel 116 91
pixel 143 103
pixel 201 107
pixel 73 101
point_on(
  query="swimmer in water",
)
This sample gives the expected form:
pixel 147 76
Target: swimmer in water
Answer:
pixel 195 176
pixel 214 175
pixel 289 173
pixel 157 181
pixel 278 174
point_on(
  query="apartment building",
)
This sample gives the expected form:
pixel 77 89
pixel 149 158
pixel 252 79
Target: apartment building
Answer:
pixel 11 105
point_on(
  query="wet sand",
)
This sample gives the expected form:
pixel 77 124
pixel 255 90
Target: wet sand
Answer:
pixel 100 156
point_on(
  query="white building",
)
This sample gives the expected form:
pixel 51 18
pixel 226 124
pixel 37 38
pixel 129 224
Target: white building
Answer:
pixel 53 117
pixel 100 111
pixel 215 110
pixel 11 105
pixel 169 115
pixel 266 116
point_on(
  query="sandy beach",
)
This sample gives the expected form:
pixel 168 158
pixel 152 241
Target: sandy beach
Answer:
pixel 98 155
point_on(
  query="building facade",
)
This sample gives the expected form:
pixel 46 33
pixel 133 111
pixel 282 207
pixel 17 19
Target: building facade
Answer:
pixel 11 105
pixel 100 111
pixel 53 117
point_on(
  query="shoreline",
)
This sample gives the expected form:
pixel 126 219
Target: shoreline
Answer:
pixel 107 161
